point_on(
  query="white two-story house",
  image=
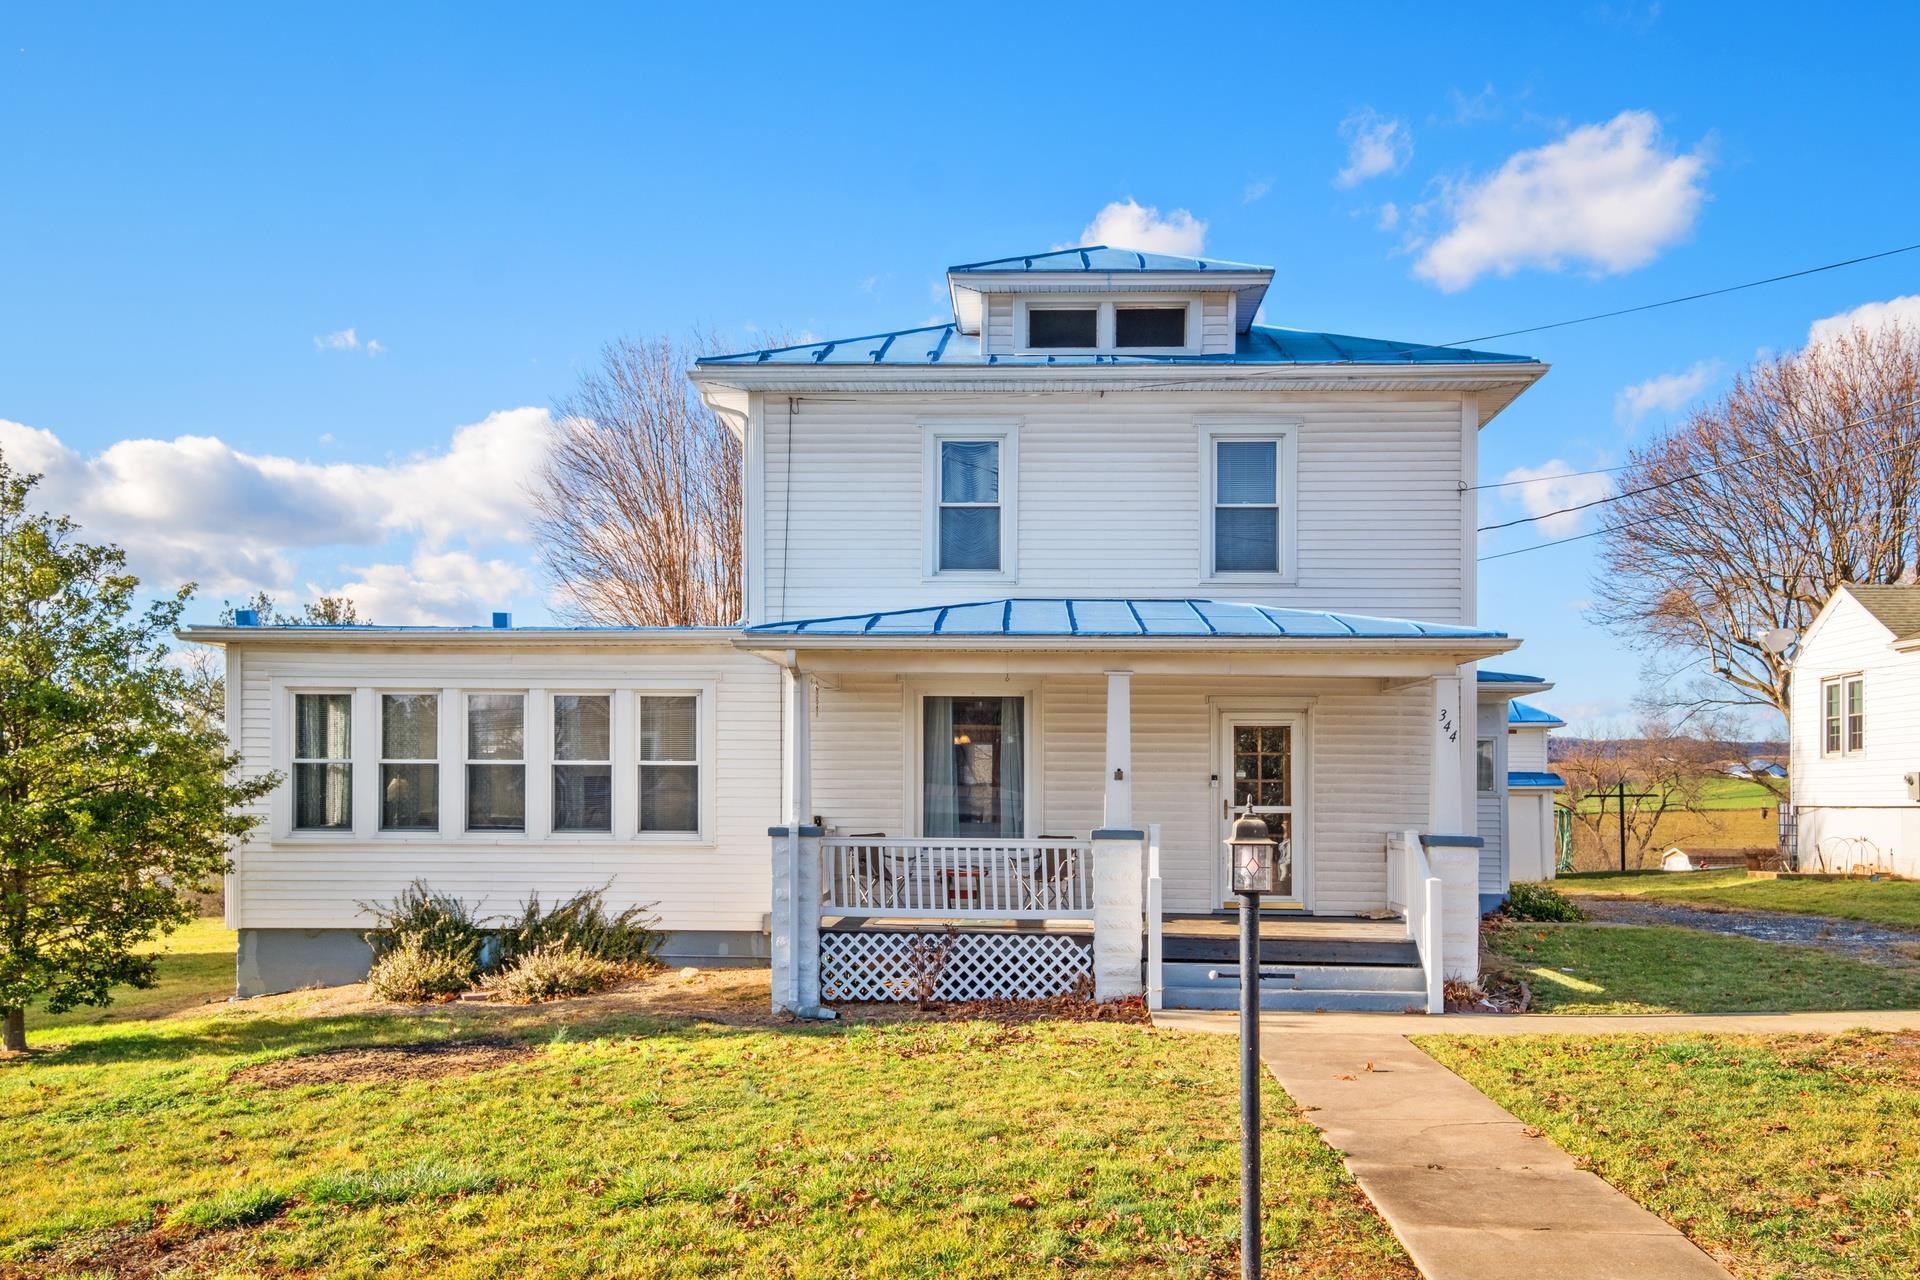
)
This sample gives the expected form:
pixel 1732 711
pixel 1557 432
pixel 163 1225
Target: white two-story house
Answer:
pixel 1035 600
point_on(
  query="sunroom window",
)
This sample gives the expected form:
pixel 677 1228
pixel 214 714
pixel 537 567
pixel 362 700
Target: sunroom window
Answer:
pixel 322 761
pixel 409 762
pixel 973 767
pixel 496 762
pixel 670 763
pixel 582 762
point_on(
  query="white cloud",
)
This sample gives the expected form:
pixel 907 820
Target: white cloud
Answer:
pixel 1555 489
pixel 1256 190
pixel 1376 144
pixel 1870 316
pixel 1610 196
pixel 448 588
pixel 1128 224
pixel 196 508
pixel 348 340
pixel 1388 217
pixel 1668 393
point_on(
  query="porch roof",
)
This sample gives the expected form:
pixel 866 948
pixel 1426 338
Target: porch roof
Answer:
pixel 1527 780
pixel 1118 618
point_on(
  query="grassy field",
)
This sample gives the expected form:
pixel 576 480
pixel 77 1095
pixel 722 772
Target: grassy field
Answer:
pixel 1589 968
pixel 197 971
pixel 1891 902
pixel 625 1144
pixel 1788 1157
pixel 1720 793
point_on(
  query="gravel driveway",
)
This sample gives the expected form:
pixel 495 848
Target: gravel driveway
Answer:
pixel 1874 943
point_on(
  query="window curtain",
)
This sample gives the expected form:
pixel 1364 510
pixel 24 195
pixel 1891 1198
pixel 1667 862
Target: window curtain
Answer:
pixel 1013 770
pixel 941 816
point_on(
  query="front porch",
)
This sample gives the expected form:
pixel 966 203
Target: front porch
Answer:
pixel 924 775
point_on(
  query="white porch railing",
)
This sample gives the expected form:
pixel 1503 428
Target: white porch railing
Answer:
pixel 1414 891
pixel 1156 985
pixel 957 879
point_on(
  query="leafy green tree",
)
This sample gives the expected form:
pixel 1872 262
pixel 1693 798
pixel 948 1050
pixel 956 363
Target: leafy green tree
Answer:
pixel 116 802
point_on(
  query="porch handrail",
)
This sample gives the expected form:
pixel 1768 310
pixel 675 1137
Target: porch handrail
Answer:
pixel 1414 891
pixel 956 879
pixel 1155 985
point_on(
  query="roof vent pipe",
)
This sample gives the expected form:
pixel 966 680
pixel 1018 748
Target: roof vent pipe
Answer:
pixel 246 617
pixel 502 622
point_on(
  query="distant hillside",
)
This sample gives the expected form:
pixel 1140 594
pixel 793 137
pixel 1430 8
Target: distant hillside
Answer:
pixel 1558 748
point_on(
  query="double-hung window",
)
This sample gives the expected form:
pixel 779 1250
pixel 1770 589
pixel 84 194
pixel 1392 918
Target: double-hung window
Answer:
pixel 1483 760
pixel 409 762
pixel 1844 715
pixel 970 485
pixel 323 761
pixel 582 762
pixel 1247 508
pixel 669 763
pixel 496 762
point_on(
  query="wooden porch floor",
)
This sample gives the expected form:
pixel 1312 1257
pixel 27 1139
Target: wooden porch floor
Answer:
pixel 1206 938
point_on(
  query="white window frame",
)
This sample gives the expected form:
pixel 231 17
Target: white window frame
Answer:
pixel 354 731
pixel 528 728
pixel 382 760
pixel 1104 309
pixel 700 763
pixel 1006 434
pixel 1033 810
pixel 550 727
pixel 1284 432
pixel 1845 687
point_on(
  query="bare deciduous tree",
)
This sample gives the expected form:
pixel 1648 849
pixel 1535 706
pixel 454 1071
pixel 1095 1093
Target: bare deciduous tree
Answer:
pixel 1665 769
pixel 639 506
pixel 1746 518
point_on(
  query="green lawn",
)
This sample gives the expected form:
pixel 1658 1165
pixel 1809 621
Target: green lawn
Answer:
pixel 1796 1157
pixel 197 970
pixel 1590 968
pixel 1718 793
pixel 1891 902
pixel 637 1145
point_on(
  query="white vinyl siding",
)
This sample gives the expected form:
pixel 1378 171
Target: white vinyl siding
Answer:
pixel 715 879
pixel 1109 492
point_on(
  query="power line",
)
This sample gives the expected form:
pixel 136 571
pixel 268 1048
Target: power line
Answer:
pixel 1691 475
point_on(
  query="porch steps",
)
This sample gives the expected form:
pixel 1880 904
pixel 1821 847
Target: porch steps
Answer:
pixel 1348 988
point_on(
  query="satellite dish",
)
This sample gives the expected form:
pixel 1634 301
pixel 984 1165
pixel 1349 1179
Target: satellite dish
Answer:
pixel 1778 640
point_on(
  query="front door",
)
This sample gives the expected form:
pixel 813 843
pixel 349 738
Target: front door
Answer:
pixel 1262 755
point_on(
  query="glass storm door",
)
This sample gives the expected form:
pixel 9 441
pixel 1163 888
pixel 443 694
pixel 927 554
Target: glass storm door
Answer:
pixel 1263 769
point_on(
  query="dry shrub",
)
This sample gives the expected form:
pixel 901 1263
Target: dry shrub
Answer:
pixel 553 970
pixel 412 970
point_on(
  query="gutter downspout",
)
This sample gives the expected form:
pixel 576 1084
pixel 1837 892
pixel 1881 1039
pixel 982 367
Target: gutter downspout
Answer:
pixel 792 706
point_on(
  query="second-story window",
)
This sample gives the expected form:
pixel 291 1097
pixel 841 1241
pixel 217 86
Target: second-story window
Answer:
pixel 1063 328
pixel 496 762
pixel 1845 706
pixel 1246 506
pixel 582 762
pixel 969 533
pixel 409 762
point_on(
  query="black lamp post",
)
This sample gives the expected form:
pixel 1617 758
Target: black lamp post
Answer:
pixel 1255 872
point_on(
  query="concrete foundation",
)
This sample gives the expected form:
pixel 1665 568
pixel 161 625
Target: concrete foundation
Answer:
pixel 275 960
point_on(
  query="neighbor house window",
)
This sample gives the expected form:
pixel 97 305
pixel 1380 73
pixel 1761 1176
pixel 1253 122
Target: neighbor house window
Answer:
pixel 1150 326
pixel 670 763
pixel 582 762
pixel 1246 505
pixel 969 515
pixel 496 762
pixel 1483 764
pixel 1844 703
pixel 1063 327
pixel 322 761
pixel 409 762
pixel 974 767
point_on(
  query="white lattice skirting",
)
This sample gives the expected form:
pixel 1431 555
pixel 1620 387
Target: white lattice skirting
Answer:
pixel 979 966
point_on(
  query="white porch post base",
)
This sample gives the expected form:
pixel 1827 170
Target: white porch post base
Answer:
pixel 1119 856
pixel 1455 861
pixel 796 919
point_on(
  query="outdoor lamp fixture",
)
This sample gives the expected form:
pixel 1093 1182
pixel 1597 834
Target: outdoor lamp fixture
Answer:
pixel 1255 872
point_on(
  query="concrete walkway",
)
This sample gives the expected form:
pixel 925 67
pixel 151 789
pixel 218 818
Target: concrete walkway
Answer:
pixel 1469 1193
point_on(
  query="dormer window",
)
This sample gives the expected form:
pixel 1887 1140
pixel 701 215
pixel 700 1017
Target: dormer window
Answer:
pixel 1053 328
pixel 1152 324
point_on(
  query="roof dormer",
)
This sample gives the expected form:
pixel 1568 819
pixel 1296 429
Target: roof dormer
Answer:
pixel 1100 300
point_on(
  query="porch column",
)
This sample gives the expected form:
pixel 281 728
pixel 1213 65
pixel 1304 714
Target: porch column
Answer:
pixel 795 916
pixel 1118 814
pixel 1119 855
pixel 798 754
pixel 1455 861
pixel 1446 781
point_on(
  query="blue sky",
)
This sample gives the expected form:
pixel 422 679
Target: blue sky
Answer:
pixel 288 291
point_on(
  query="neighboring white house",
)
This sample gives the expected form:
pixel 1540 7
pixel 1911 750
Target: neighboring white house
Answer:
pixel 1855 733
pixel 1513 784
pixel 1034 599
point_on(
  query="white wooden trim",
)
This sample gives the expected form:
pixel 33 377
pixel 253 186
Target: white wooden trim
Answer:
pixel 753 533
pixel 1285 432
pixel 1296 712
pixel 231 713
pixel 1002 431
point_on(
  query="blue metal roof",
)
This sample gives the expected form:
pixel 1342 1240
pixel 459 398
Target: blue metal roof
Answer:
pixel 1100 258
pixel 1509 677
pixel 1523 779
pixel 1519 712
pixel 1121 617
pixel 943 344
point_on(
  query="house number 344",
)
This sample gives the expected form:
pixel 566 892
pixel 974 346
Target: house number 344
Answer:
pixel 1446 725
